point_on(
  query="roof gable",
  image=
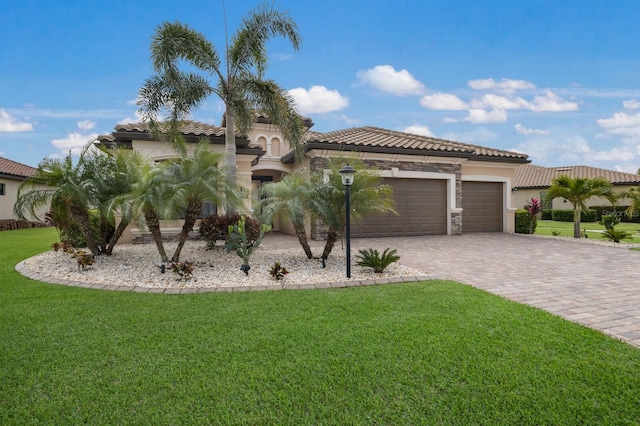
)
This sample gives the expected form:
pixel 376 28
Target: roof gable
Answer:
pixel 9 168
pixel 533 176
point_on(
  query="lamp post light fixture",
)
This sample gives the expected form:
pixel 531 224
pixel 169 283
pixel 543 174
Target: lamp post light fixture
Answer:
pixel 347 174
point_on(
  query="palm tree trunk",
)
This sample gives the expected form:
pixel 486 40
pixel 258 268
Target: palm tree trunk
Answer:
pixel 81 216
pixel 332 237
pixel 301 233
pixel 576 221
pixel 230 153
pixel 191 215
pixel 116 236
pixel 153 223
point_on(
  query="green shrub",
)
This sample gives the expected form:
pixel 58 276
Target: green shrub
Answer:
pixel 619 211
pixel 216 227
pixel 242 242
pixel 609 221
pixel 372 259
pixel 546 214
pixel 561 215
pixel 522 221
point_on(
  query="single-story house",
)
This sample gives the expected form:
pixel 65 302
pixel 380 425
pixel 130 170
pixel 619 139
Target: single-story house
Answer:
pixel 532 181
pixel 440 186
pixel 12 174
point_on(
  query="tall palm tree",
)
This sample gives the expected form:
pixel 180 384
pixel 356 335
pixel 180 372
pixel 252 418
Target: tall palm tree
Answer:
pixel 289 197
pixel 577 191
pixel 143 203
pixel 239 83
pixel 195 178
pixel 369 197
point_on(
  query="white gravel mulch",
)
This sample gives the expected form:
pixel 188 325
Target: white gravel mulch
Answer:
pixel 139 266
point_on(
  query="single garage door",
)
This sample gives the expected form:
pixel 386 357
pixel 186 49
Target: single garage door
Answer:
pixel 422 208
pixel 482 206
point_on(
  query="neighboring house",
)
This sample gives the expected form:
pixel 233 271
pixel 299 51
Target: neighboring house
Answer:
pixel 441 187
pixel 532 181
pixel 12 174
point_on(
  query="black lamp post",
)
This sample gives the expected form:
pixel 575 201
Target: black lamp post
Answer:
pixel 347 174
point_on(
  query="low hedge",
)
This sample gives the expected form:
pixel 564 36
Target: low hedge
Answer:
pixel 522 222
pixel 619 211
pixel 567 215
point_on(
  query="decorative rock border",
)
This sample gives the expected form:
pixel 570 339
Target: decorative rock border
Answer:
pixel 21 269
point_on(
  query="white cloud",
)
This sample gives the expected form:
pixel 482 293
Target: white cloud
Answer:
pixel 11 124
pixel 443 101
pixel 478 136
pixel 318 100
pixel 450 120
pixel 348 120
pixel 631 104
pixel 505 85
pixel 498 102
pixel 623 124
pixel 418 129
pixel 134 102
pixel 385 78
pixel 482 116
pixel 137 119
pixel 86 124
pixel 550 102
pixel 282 56
pixel 525 131
pixel 74 142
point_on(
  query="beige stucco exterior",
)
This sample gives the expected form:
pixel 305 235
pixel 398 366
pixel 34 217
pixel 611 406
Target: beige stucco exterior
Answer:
pixel 9 198
pixel 522 196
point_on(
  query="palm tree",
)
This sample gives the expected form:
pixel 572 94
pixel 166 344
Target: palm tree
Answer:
pixel 577 191
pixel 195 178
pixel 240 80
pixel 289 197
pixel 369 197
pixel 63 186
pixel 633 195
pixel 147 195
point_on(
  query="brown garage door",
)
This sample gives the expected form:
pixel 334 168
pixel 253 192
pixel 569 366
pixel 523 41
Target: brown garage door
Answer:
pixel 422 208
pixel 482 206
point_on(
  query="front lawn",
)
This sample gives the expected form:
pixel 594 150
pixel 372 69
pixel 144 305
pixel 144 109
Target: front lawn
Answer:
pixel 593 229
pixel 434 352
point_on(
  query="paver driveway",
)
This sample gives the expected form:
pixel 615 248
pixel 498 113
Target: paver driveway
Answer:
pixel 589 284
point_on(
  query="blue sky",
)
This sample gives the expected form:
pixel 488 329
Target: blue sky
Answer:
pixel 558 80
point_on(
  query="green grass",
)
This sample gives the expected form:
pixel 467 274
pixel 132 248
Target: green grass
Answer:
pixel 546 227
pixel 434 352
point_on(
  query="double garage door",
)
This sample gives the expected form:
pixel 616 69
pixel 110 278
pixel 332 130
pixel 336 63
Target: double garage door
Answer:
pixel 422 209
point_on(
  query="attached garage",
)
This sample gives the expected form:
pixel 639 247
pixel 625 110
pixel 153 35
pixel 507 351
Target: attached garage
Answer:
pixel 421 206
pixel 482 206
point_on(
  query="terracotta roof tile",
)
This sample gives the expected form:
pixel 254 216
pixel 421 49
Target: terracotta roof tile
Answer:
pixel 194 128
pixel 377 137
pixel 14 168
pixel 533 176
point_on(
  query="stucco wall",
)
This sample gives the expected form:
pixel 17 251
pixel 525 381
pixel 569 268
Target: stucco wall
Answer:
pixel 522 196
pixel 9 198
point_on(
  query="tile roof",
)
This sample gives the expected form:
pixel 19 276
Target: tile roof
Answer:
pixel 13 168
pixel 193 128
pixel 533 176
pixel 375 138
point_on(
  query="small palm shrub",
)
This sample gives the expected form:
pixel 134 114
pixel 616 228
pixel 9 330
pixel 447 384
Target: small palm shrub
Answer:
pixel 615 235
pixel 372 259
pixel 556 233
